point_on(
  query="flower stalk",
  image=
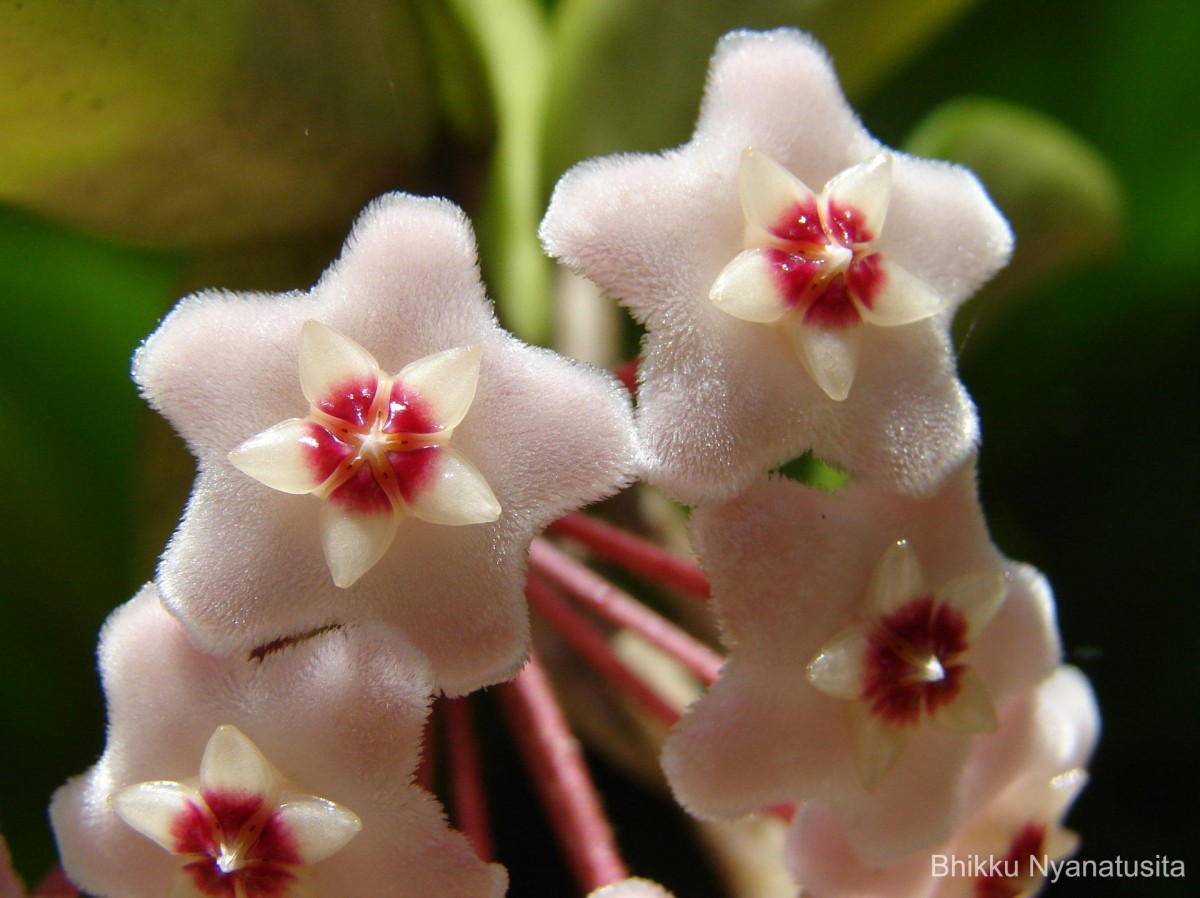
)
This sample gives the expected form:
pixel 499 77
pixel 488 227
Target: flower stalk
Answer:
pixel 557 768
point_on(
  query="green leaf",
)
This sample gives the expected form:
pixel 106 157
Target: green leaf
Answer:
pixel 510 37
pixel 191 123
pixel 1060 195
pixel 73 312
pixel 628 74
pixel 811 471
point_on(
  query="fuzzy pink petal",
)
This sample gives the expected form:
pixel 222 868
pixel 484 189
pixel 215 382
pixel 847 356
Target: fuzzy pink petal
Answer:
pixel 1046 732
pixel 720 401
pixel 340 716
pixel 791 568
pixel 546 434
pixel 823 861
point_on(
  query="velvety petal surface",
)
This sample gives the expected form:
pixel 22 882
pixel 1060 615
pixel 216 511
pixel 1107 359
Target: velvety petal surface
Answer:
pixel 339 715
pixel 1046 734
pixel 547 435
pixel 791 569
pixel 721 400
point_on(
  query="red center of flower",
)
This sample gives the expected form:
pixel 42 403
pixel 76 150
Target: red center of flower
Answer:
pixel 823 268
pixel 911 661
pixel 1017 873
pixel 372 448
pixel 235 848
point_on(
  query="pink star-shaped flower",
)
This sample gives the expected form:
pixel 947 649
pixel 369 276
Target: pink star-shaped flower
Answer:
pixel 239 828
pixel 237 778
pixel 1017 787
pixel 858 673
pixel 780 319
pixel 434 446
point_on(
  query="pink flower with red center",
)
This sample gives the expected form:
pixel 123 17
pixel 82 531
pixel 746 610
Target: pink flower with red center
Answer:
pixel 811 266
pixel 436 443
pixel 376 447
pixel 779 320
pixel 1017 787
pixel 240 830
pixel 275 778
pixel 911 658
pixel 904 663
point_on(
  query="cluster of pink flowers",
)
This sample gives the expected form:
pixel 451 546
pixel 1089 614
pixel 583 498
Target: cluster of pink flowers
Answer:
pixel 376 456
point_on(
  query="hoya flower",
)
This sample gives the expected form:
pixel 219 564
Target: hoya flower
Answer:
pixel 239 827
pixel 859 674
pixel 795 277
pixel 432 445
pixel 375 447
pixel 273 778
pixel 1018 786
pixel 904 660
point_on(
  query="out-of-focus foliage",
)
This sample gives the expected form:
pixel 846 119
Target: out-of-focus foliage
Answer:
pixel 628 74
pixel 73 311
pixel 1059 194
pixel 185 123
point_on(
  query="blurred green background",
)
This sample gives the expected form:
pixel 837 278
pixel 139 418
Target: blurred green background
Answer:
pixel 150 149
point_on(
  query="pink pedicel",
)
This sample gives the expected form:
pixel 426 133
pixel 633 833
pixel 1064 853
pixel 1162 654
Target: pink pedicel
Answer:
pixel 896 682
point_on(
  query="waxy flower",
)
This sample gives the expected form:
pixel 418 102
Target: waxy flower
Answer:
pixel 239 827
pixel 904 661
pixel 1017 787
pixel 210 779
pixel 374 446
pixel 811 265
pixel 437 445
pixel 798 585
pixel 781 320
